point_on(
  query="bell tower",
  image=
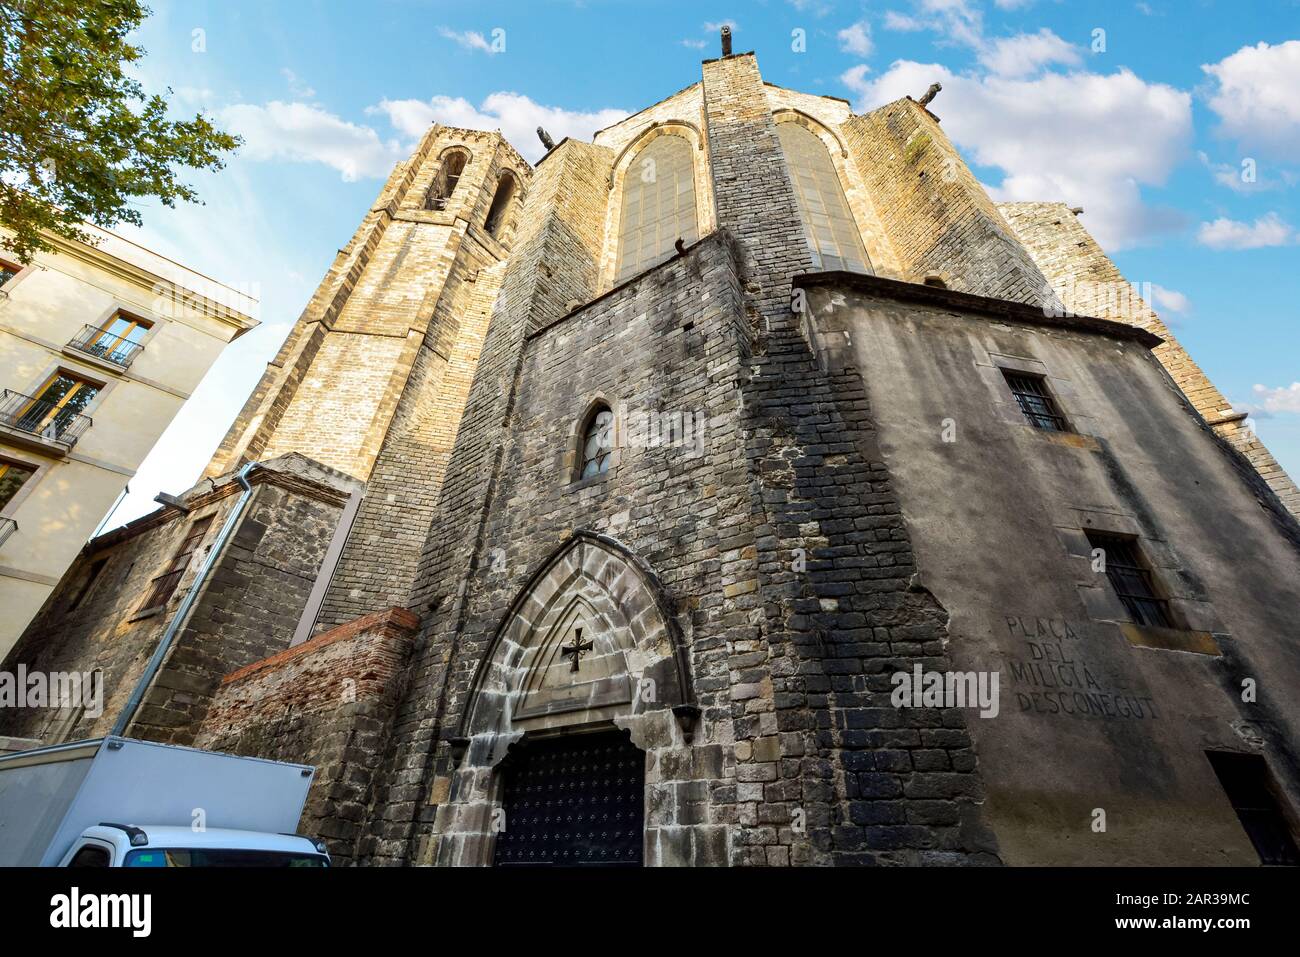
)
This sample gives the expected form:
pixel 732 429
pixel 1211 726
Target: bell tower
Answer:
pixel 374 377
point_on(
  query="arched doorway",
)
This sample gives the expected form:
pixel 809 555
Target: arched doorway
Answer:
pixel 582 689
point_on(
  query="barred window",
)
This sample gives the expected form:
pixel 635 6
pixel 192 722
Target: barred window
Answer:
pixel 496 216
pixel 8 270
pixel 444 184
pixel 597 442
pixel 828 224
pixel 658 205
pixel 165 584
pixel 1035 401
pixel 1245 780
pixel 1131 578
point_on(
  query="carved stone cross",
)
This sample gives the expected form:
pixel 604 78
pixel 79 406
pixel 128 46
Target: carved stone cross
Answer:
pixel 576 649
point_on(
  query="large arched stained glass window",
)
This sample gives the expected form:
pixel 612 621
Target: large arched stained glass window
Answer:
pixel 827 221
pixel 658 205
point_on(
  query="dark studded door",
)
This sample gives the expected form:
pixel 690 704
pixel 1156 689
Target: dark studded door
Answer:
pixel 574 801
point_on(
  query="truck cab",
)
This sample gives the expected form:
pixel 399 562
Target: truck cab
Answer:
pixel 127 845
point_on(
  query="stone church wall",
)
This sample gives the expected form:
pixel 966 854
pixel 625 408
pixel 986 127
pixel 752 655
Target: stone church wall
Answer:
pixel 1089 283
pixel 1096 712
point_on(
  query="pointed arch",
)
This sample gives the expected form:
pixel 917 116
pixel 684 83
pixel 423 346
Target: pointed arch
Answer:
pixel 832 231
pixel 526 681
pixel 658 200
pixel 452 163
pixel 499 212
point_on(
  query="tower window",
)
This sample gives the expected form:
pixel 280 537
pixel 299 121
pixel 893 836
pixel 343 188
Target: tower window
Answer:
pixel 1131 578
pixel 1244 778
pixel 828 224
pixel 597 443
pixel 444 184
pixel 165 584
pixel 1035 401
pixel 658 205
pixel 496 216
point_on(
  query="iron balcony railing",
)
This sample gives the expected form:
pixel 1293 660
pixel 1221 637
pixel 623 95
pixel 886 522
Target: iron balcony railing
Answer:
pixel 42 418
pixel 7 527
pixel 102 344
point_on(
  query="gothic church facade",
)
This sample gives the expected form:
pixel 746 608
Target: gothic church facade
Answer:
pixel 609 511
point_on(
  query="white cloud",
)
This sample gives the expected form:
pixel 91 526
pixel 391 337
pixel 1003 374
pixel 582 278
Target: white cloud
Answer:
pixel 695 44
pixel 902 23
pixel 958 21
pixel 1169 300
pixel 297 87
pixel 303 133
pixel 515 115
pixel 856 38
pixel 716 27
pixel 469 40
pixel 1255 97
pixel 1088 139
pixel 1267 230
pixel 1027 53
pixel 1282 399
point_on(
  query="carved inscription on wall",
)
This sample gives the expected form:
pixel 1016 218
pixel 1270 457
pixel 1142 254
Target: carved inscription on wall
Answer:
pixel 1053 672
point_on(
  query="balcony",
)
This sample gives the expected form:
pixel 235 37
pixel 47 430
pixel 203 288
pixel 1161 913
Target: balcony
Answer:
pixel 40 424
pixel 7 527
pixel 101 344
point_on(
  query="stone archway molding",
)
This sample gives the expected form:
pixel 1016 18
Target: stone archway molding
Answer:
pixel 634 634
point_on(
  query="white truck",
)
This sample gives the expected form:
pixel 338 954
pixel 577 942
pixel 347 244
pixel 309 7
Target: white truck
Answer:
pixel 118 802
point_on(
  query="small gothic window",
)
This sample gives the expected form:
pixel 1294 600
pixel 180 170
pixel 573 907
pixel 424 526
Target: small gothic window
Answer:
pixel 500 204
pixel 444 184
pixel 827 222
pixel 597 443
pixel 658 205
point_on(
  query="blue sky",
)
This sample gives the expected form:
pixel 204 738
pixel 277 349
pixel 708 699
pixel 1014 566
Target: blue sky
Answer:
pixel 1147 124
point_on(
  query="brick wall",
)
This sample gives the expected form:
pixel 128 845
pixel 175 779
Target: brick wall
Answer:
pixel 327 702
pixel 1089 283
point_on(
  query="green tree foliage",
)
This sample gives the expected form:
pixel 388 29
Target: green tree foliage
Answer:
pixel 80 140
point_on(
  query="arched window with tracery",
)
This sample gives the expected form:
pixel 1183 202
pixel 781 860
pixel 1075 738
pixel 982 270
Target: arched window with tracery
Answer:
pixel 658 205
pixel 597 442
pixel 828 223
pixel 444 184
pixel 496 217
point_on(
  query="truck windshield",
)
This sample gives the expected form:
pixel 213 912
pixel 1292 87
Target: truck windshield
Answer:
pixel 220 857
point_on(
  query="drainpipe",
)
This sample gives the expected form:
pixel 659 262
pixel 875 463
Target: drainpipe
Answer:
pixel 174 626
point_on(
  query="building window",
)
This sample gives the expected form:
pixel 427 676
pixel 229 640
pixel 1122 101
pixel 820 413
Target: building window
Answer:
pixel 828 224
pixel 1245 780
pixel 444 184
pixel 56 410
pixel 12 478
pixel 1035 401
pixel 1131 578
pixel 118 341
pixel 496 216
pixel 96 568
pixel 8 270
pixel 165 584
pixel 658 205
pixel 597 443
